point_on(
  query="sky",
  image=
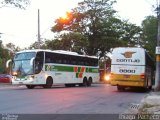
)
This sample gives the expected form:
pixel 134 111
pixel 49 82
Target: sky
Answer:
pixel 20 26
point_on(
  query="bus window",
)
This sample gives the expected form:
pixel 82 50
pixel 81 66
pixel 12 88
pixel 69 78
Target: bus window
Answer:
pixel 39 62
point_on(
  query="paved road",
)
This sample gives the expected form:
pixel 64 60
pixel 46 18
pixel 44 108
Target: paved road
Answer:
pixel 98 99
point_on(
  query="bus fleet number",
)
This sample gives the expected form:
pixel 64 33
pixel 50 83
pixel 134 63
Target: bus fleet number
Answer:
pixel 126 71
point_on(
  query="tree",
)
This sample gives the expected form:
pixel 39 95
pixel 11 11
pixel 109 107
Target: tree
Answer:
pixel 91 19
pixel 73 42
pixel 130 34
pixel 12 48
pixel 68 41
pixel 35 45
pixel 4 56
pixel 149 26
pixel 97 22
pixel 16 3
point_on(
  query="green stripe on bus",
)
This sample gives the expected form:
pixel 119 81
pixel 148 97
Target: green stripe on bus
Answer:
pixel 93 70
pixel 68 69
pixel 63 68
pixel 77 74
pixel 58 68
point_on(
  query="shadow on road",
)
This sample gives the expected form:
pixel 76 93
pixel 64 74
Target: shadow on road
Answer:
pixel 23 87
pixel 136 90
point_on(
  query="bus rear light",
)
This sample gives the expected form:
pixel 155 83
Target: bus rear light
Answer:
pixel 142 76
pixel 111 75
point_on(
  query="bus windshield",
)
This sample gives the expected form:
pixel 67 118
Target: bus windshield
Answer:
pixel 25 56
pixel 22 66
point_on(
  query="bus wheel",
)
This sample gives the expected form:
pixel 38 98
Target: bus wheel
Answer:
pixel 85 83
pixel 89 82
pixel 120 88
pixel 150 87
pixel 49 83
pixel 30 86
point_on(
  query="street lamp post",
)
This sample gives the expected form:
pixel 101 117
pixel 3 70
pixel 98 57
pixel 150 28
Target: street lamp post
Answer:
pixel 39 37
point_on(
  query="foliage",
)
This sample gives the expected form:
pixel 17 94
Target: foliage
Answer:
pixel 96 21
pixel 4 56
pixel 22 4
pixel 130 34
pixel 90 19
pixel 69 41
pixel 12 47
pixel 149 26
pixel 35 45
pixel 106 62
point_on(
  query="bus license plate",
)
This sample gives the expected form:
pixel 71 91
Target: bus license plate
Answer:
pixel 20 82
pixel 126 76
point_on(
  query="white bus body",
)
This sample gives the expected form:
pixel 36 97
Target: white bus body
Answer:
pixel 45 68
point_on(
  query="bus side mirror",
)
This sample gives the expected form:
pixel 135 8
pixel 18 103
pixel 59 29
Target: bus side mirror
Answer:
pixel 7 63
pixel 31 61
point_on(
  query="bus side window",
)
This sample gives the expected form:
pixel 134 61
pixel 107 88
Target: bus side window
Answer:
pixel 38 66
pixel 87 62
pixel 58 59
pixel 48 60
pixel 72 60
pixel 64 59
pixel 39 62
pixel 47 57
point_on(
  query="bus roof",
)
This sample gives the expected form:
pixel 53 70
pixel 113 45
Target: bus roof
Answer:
pixel 58 51
pixel 127 48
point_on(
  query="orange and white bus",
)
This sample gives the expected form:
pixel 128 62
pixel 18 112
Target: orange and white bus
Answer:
pixel 131 67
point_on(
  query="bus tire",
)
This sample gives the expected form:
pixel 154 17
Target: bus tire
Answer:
pixel 85 82
pixel 120 88
pixel 150 87
pixel 30 86
pixel 49 83
pixel 89 81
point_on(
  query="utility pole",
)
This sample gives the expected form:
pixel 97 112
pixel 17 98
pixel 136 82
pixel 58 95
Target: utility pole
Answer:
pixel 39 37
pixel 157 76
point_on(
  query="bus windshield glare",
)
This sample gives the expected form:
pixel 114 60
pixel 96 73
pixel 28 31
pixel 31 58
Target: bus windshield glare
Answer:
pixel 25 56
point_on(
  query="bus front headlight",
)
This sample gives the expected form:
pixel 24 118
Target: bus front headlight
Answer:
pixel 14 73
pixel 31 77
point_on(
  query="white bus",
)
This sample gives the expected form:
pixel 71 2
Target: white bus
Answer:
pixel 131 67
pixel 45 68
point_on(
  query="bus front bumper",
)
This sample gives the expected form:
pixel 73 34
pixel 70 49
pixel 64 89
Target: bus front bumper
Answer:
pixel 22 82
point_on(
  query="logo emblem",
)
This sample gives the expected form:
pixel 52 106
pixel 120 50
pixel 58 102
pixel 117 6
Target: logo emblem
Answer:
pixel 128 54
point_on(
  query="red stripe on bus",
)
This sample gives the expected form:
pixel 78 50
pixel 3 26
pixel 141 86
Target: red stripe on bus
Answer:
pixel 75 69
